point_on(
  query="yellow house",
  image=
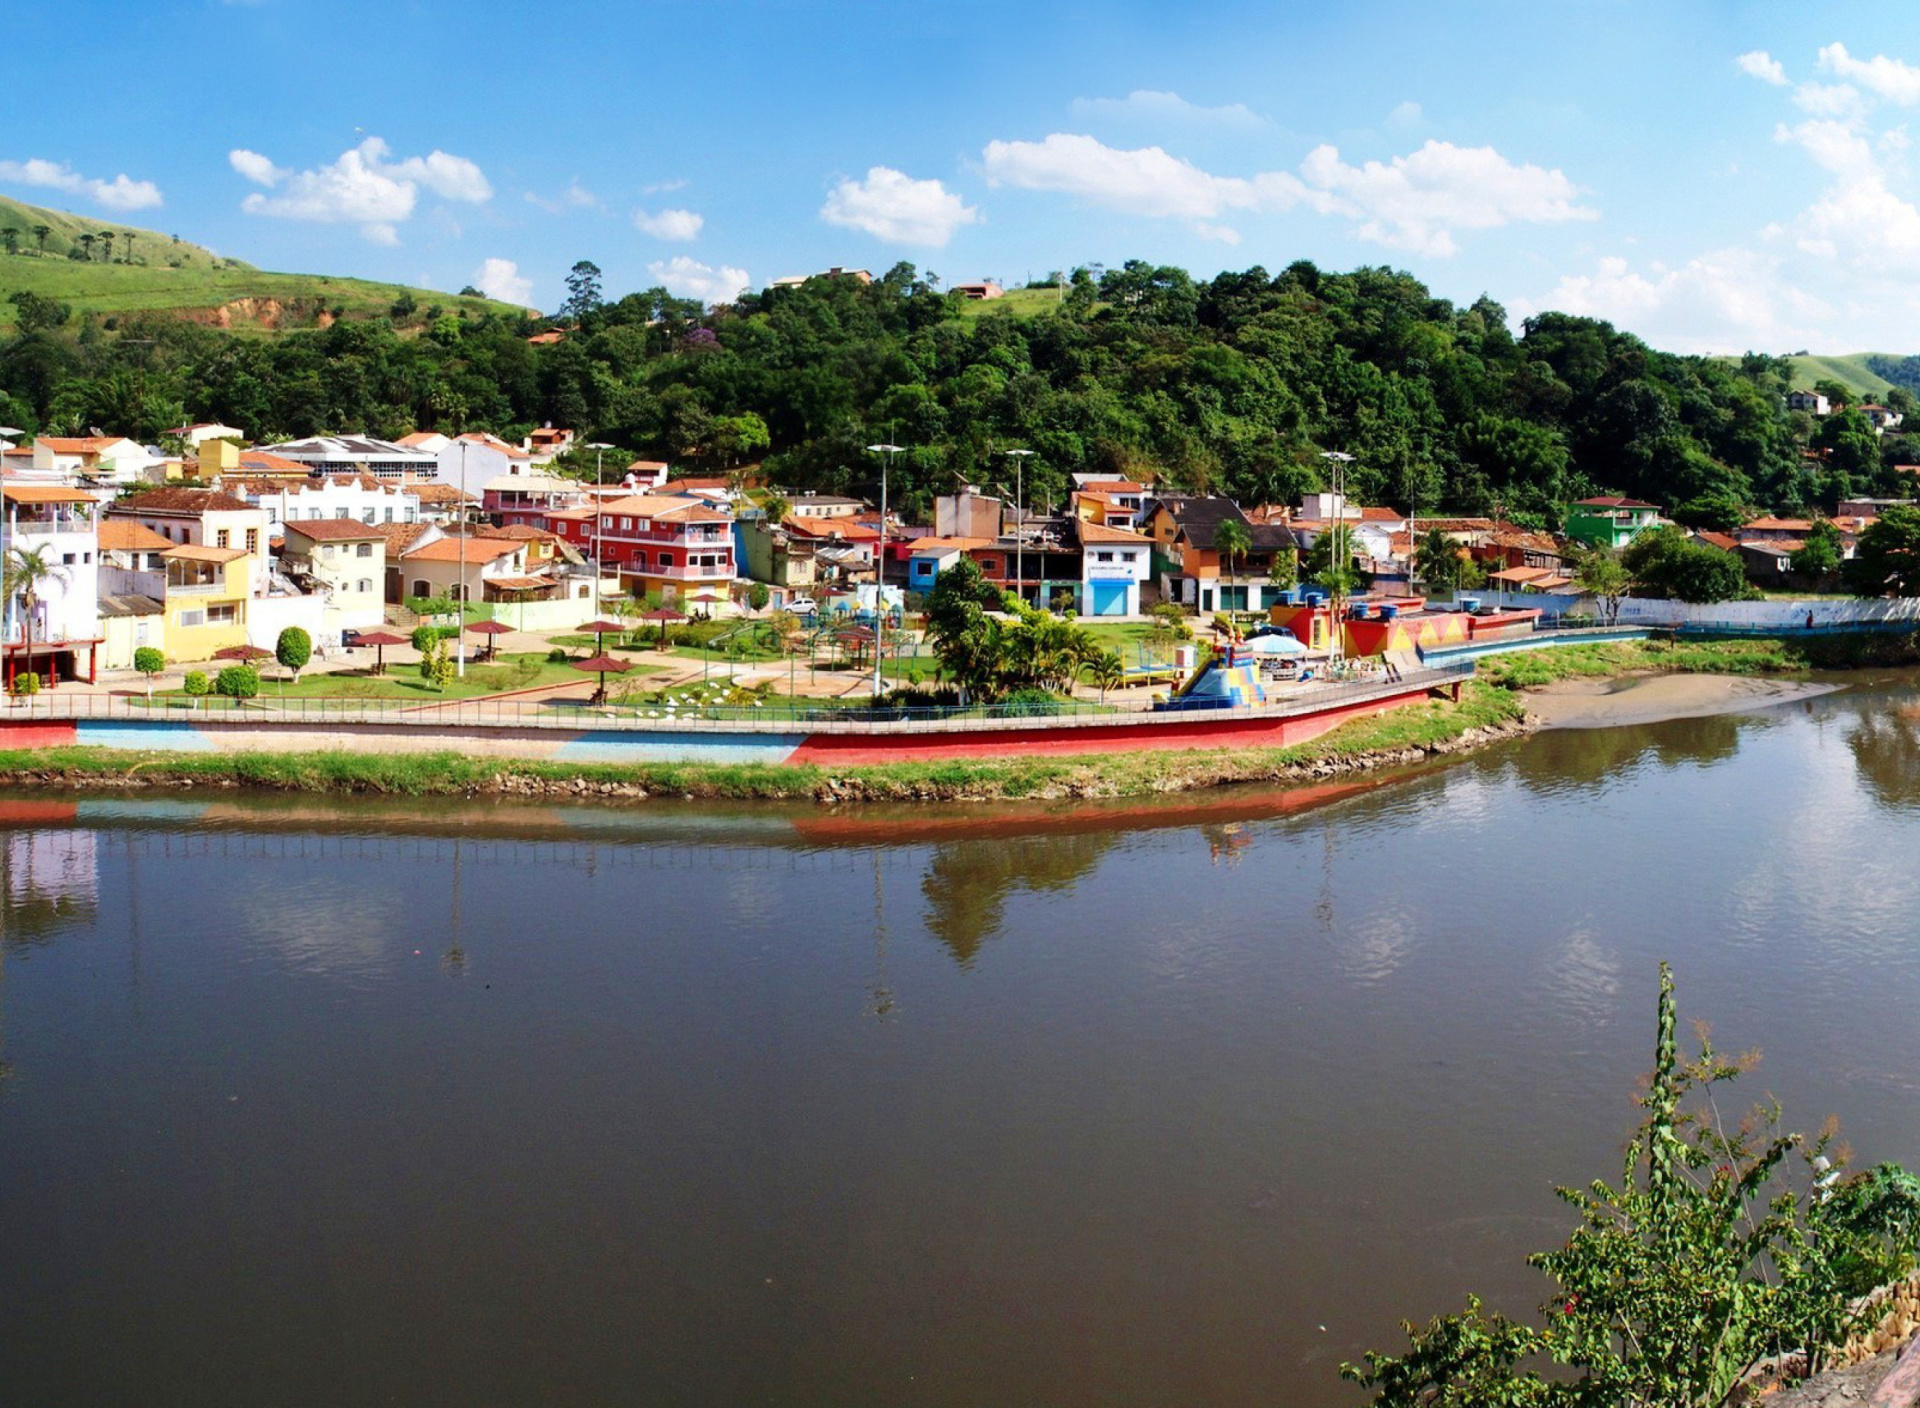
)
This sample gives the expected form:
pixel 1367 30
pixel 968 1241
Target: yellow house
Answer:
pixel 207 594
pixel 203 518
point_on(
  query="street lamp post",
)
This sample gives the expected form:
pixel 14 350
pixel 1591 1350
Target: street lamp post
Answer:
pixel 460 582
pixel 886 454
pixel 1340 559
pixel 598 482
pixel 1019 458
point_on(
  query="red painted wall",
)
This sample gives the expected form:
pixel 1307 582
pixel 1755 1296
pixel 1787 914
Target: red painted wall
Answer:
pixel 37 735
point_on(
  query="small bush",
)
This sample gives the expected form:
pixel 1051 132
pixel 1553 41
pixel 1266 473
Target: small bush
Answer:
pixel 148 661
pixel 558 656
pixel 237 682
pixel 26 684
pixel 1031 702
pixel 195 683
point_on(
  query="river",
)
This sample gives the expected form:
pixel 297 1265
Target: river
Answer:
pixel 318 1103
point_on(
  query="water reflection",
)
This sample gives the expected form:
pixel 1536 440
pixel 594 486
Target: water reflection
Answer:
pixel 1886 753
pixel 968 882
pixel 49 881
pixel 1557 758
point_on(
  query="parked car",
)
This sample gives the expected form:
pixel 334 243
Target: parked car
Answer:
pixel 802 606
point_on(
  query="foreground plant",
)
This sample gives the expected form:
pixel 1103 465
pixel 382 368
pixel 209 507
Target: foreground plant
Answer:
pixel 1710 1255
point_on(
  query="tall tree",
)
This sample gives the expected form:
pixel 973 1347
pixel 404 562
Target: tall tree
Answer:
pixel 106 244
pixel 583 291
pixel 40 233
pixel 27 571
pixel 1232 541
pixel 11 238
pixel 1886 561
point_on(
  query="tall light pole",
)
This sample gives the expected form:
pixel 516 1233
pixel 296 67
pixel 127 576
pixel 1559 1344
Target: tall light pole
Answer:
pixel 460 583
pixel 886 453
pixel 1019 458
pixel 1340 559
pixel 599 481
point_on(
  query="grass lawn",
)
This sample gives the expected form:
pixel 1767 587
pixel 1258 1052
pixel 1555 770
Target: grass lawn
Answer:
pixel 403 682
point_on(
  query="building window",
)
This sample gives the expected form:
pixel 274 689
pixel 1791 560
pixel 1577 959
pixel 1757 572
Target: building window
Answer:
pixel 193 618
pixel 364 550
pixel 1103 557
pixel 366 585
pixel 220 538
pixel 253 540
pixel 222 615
pixel 67 559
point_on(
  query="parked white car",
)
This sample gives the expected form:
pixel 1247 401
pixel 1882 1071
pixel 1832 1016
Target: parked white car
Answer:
pixel 802 606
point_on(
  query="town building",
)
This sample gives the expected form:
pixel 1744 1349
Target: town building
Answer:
pixel 1610 523
pixel 357 454
pixel 57 635
pixel 205 518
pixel 345 561
pixel 106 459
pixel 1812 402
pixel 678 548
pixel 468 569
pixel 770 554
pixel 1185 532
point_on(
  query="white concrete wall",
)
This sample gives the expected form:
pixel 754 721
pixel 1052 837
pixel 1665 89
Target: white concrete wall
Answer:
pixel 267 616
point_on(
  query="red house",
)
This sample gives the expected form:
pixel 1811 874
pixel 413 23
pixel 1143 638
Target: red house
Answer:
pixel 676 547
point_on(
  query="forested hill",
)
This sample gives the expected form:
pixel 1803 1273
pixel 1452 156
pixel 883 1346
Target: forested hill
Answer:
pixel 1235 384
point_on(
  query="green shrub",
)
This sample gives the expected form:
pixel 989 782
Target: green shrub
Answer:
pixel 149 662
pixel 26 684
pixel 195 683
pixel 1706 1258
pixel 293 649
pixel 237 682
pixel 425 637
pixel 1031 702
pixel 558 656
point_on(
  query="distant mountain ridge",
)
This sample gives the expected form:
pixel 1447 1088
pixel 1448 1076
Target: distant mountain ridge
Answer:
pixel 154 272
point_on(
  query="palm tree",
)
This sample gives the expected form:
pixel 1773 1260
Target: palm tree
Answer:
pixel 776 506
pixel 1232 541
pixel 40 233
pixel 27 570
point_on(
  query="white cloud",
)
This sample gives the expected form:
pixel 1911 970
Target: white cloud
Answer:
pixel 1725 301
pixel 669 224
pixel 1411 202
pixel 121 193
pixel 1763 66
pixel 1892 79
pixel 574 197
pixel 1147 106
pixel 502 279
pixel 1417 201
pixel 363 187
pixel 689 278
pixel 678 183
pixel 1828 99
pixel 892 206
pixel 1224 234
pixel 256 168
pixel 1406 115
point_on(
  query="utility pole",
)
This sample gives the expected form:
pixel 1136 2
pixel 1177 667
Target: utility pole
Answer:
pixel 1019 458
pixel 599 480
pixel 886 453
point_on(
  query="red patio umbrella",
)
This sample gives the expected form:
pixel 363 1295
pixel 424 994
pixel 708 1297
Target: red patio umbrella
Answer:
pixel 602 627
pixel 380 640
pixel 492 630
pixel 603 665
pixel 662 614
pixel 245 654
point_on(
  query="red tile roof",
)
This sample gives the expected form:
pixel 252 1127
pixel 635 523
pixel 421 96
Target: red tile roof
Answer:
pixel 336 530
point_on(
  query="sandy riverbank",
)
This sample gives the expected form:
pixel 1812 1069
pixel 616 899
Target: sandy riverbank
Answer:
pixel 1615 703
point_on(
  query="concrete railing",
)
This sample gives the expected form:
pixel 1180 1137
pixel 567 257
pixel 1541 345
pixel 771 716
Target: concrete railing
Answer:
pixel 575 715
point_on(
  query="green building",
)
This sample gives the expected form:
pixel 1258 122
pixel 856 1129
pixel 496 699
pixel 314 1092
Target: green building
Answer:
pixel 1610 524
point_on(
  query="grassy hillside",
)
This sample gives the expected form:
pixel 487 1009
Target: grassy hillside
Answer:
pixel 166 274
pixel 1850 371
pixel 1021 302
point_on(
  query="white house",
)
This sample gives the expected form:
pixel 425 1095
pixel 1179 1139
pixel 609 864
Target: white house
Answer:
pixel 192 435
pixel 112 458
pixel 469 462
pixel 60 523
pixel 1113 564
pixel 359 497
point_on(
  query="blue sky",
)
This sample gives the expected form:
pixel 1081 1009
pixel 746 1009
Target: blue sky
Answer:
pixel 1713 176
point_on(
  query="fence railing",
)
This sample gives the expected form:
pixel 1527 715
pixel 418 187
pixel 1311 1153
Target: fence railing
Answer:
pixel 574 715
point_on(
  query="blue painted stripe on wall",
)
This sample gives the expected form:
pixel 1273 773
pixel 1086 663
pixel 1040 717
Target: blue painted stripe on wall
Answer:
pixel 139 734
pixel 661 747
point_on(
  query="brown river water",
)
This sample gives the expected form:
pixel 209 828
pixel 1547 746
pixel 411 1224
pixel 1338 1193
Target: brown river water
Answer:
pixel 1183 1102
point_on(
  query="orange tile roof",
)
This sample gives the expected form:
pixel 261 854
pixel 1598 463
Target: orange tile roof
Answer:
pixel 943 545
pixel 200 552
pixel 1780 525
pixel 335 530
pixel 450 550
pixel 1103 533
pixel 46 494
pixel 124 535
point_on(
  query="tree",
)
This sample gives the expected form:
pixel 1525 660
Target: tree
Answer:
pixel 293 649
pixel 105 238
pixel 1886 560
pixel 1107 671
pixel 149 662
pixel 33 313
pixel 1601 576
pixel 963 635
pixel 40 233
pixel 27 571
pixel 195 685
pixel 86 247
pixel 469 291
pixel 1233 542
pixel 758 596
pixel 1839 396
pixel 237 682
pixel 583 291
pixel 1330 561
pixel 11 238
pixel 1445 565
pixel 1819 555
pixel 1663 563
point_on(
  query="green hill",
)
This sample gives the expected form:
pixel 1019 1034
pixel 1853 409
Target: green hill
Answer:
pixel 1851 371
pixel 153 272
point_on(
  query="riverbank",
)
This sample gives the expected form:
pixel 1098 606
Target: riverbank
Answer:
pixel 1402 736
pixel 1758 656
